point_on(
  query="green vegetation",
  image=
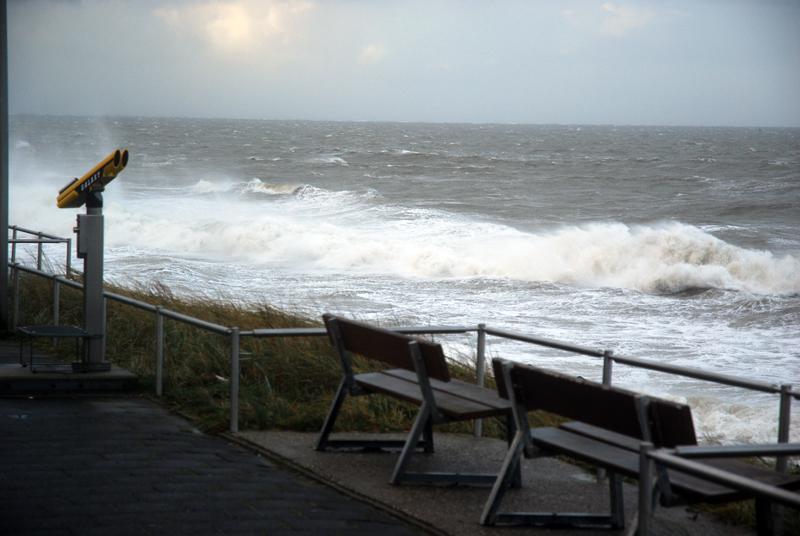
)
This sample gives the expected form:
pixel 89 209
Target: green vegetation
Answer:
pixel 285 383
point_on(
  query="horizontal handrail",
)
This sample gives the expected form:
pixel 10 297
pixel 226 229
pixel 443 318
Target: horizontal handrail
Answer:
pixel 32 232
pixel 738 451
pixel 321 332
pixel 38 240
pixel 698 374
pixel 544 342
pixel 726 478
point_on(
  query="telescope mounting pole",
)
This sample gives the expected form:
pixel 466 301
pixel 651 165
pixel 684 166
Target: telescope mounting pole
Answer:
pixel 90 249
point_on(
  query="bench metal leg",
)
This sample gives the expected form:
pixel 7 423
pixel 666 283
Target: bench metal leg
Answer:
pixel 330 419
pixel 616 500
pixel 765 523
pixel 509 471
pixel 427 435
pixel 422 421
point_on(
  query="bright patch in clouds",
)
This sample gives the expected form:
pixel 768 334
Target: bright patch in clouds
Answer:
pixel 371 54
pixel 239 25
pixel 618 20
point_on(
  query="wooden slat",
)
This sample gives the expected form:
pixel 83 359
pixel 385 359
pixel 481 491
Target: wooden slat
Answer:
pixel 625 462
pixel 467 391
pixel 454 407
pixel 390 347
pixel 601 434
pixel 671 423
pixel 596 452
pixel 607 407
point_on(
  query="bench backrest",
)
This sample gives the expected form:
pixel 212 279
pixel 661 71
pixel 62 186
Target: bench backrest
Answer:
pixel 387 346
pixel 607 407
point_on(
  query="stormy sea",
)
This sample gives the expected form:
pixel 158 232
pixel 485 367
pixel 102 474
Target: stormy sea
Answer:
pixel 675 244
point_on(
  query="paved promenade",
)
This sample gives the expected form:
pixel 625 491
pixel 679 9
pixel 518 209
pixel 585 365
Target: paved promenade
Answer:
pixel 124 465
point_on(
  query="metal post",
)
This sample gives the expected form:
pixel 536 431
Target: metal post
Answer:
pixel 68 265
pixel 39 252
pixel 608 365
pixel 784 417
pixel 14 236
pixel 234 428
pixel 159 352
pixel 645 488
pixel 15 310
pixel 480 372
pixel 90 249
pixel 4 148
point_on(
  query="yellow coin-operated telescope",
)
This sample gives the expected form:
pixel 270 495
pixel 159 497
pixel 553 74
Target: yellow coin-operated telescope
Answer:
pixel 88 190
pixel 74 194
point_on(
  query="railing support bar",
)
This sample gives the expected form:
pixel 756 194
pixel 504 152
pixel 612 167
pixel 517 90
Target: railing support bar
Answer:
pixel 784 417
pixel 234 428
pixel 68 263
pixel 15 309
pixel 39 252
pixel 14 246
pixel 159 352
pixel 480 372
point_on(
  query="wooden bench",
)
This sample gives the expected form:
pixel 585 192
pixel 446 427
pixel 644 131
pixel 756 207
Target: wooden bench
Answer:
pixel 419 375
pixel 611 424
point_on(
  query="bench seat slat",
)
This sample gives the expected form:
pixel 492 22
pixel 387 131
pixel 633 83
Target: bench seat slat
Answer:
pixel 621 455
pixel 450 405
pixel 468 391
pixel 601 434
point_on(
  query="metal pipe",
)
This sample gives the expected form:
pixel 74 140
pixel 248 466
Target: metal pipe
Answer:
pixel 608 366
pixel 545 342
pixel 698 374
pixel 726 478
pixel 234 428
pixel 68 264
pixel 39 254
pixel 645 488
pixel 159 352
pixel 15 310
pixel 4 182
pixel 480 372
pixel 14 246
pixel 210 326
pixel 784 419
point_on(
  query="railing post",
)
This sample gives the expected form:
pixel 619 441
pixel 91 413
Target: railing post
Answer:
pixel 39 252
pixel 645 489
pixel 15 309
pixel 68 265
pixel 159 352
pixel 784 417
pixel 608 365
pixel 234 428
pixel 480 372
pixel 14 246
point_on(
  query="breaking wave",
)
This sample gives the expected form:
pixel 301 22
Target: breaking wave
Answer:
pixel 320 230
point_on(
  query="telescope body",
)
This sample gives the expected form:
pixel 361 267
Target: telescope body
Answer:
pixel 74 194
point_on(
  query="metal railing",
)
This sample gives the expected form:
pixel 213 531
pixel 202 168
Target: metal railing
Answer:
pixel 40 240
pixel 785 391
pixel 680 459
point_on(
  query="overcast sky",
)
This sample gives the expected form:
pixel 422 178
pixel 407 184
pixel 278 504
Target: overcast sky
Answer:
pixel 669 62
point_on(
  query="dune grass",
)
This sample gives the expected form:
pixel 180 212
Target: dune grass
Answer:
pixel 285 383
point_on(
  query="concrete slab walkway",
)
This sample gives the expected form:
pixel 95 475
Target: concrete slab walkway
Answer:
pixel 549 485
pixel 124 465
